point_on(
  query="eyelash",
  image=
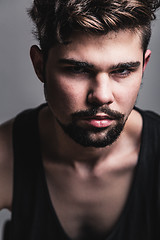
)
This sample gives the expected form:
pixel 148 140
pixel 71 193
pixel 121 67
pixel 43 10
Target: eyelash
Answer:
pixel 122 73
pixel 77 70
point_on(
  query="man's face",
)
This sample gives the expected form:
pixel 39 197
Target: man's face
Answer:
pixel 92 85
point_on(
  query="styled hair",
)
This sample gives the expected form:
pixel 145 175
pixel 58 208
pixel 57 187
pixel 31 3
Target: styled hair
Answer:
pixel 56 20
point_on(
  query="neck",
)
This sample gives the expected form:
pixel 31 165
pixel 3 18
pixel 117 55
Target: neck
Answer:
pixel 60 148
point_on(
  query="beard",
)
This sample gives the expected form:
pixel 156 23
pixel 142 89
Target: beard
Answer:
pixel 93 136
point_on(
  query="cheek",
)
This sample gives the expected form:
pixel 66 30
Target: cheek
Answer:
pixel 65 96
pixel 126 95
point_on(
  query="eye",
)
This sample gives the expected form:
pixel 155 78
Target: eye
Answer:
pixel 122 72
pixel 77 70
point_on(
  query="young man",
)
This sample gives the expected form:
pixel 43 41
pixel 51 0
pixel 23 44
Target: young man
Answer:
pixel 85 165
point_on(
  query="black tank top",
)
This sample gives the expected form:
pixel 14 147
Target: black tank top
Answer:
pixel 33 216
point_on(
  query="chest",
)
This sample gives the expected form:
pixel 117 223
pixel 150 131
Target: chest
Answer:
pixel 89 208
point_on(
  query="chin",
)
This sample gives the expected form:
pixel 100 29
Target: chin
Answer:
pixel 97 137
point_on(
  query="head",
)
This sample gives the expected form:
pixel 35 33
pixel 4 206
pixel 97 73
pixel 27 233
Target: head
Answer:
pixel 92 58
pixel 56 20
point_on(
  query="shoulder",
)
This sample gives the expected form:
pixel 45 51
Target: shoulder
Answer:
pixel 6 164
pixel 150 136
pixel 150 116
pixel 24 125
pixel 143 124
pixel 151 122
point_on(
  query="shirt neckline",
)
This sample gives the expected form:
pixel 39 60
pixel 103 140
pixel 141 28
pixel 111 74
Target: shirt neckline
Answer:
pixel 116 227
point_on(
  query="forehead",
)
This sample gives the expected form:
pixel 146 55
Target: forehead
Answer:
pixel 113 48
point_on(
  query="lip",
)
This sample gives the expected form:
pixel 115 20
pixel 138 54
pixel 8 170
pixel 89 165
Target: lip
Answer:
pixel 98 121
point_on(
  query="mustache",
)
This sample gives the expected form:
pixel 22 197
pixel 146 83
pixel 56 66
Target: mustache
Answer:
pixel 93 111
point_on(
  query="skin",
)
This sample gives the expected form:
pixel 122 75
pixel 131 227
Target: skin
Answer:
pixel 93 201
pixel 69 92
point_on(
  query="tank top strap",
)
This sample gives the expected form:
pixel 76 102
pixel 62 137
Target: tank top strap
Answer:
pixel 27 157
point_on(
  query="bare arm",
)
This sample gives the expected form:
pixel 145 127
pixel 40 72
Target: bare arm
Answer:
pixel 6 165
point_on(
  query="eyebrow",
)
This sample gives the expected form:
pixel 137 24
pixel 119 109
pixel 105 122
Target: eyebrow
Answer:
pixel 76 63
pixel 125 65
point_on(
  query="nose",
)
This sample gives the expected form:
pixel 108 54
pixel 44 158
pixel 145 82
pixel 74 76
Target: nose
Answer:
pixel 101 91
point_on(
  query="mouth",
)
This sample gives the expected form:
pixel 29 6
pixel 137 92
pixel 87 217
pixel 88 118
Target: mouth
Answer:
pixel 97 121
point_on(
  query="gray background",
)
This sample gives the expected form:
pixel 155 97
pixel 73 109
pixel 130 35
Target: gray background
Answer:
pixel 19 87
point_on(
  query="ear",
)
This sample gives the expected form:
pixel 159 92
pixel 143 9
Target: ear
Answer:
pixel 146 58
pixel 37 61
